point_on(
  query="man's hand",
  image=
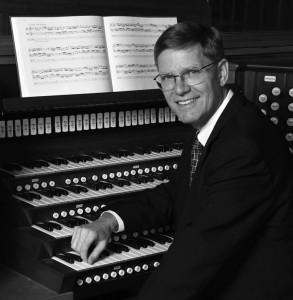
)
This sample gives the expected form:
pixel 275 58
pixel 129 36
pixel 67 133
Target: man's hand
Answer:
pixel 95 234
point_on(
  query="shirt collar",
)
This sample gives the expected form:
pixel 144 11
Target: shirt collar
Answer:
pixel 207 129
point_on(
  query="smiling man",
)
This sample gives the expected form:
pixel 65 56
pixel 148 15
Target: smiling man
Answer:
pixel 231 199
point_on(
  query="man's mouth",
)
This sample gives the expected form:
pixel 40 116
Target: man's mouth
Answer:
pixel 186 102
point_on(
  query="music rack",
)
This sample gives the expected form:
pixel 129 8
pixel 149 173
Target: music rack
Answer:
pixel 64 102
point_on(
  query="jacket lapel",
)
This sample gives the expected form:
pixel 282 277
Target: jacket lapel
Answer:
pixel 193 193
pixel 235 103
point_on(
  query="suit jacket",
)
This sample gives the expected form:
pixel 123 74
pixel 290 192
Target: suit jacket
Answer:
pixel 234 226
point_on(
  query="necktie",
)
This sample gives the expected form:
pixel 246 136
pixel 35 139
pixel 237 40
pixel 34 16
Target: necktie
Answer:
pixel 196 151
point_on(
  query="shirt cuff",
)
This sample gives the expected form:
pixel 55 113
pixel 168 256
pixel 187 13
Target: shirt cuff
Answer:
pixel 120 222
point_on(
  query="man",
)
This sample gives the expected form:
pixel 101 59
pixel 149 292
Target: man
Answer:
pixel 233 217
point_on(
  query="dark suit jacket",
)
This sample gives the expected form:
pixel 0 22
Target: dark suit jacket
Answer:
pixel 234 225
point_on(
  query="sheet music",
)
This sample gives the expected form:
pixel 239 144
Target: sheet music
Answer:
pixel 130 45
pixel 61 55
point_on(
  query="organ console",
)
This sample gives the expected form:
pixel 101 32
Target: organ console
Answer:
pixel 67 158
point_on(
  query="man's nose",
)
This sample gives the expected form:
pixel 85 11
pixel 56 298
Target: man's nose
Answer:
pixel 181 87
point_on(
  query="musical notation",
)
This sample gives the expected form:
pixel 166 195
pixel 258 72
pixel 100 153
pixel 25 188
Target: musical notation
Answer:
pixel 70 73
pixel 135 70
pixel 134 27
pixel 45 30
pixel 133 49
pixel 71 51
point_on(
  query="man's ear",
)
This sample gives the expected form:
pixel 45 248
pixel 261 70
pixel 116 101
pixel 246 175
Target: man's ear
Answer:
pixel 223 69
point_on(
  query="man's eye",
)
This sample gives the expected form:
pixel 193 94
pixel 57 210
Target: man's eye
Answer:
pixel 167 77
pixel 191 72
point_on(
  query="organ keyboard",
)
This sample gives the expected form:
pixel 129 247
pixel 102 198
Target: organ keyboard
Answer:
pixel 57 179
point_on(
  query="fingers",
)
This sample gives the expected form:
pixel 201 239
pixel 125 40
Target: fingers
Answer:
pixel 95 233
pixel 82 240
pixel 75 237
pixel 84 243
pixel 97 251
pixel 84 237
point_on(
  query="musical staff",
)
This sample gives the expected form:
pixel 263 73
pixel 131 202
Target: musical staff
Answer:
pixel 121 49
pixel 65 30
pixel 137 27
pixel 135 70
pixel 69 52
pixel 73 73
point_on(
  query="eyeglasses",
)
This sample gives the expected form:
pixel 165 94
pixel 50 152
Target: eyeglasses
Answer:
pixel 191 76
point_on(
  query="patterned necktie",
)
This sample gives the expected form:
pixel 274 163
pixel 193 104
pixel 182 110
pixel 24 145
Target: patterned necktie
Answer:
pixel 196 151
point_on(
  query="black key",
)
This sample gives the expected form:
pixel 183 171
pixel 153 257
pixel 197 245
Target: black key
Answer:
pixel 67 223
pixel 72 222
pixel 161 148
pixel 54 225
pixel 137 180
pixel 141 242
pixel 117 247
pixel 78 221
pixel 145 179
pixel 159 176
pixel 73 256
pixel 85 158
pixel 82 189
pixel 36 196
pixel 132 243
pixel 29 164
pixel 45 226
pixel 157 148
pixel 120 182
pixel 52 192
pixel 177 146
pixel 75 159
pixel 80 158
pixel 82 221
pixel 122 153
pixel 157 238
pixel 29 196
pixel 167 238
pixel 103 185
pixel 69 260
pixel 167 147
pixel 149 178
pixel 146 241
pixel 36 164
pixel 47 192
pixel 101 155
pixel 26 196
pixel 142 150
pixel 59 161
pixel 60 191
pixel 77 189
pixel 41 163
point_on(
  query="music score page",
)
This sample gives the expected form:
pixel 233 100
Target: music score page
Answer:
pixel 85 54
pixel 61 55
pixel 130 44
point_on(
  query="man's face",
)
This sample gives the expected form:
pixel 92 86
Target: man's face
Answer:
pixel 197 103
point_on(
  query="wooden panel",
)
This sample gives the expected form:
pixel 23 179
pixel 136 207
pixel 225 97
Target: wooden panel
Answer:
pixel 186 10
pixel 251 15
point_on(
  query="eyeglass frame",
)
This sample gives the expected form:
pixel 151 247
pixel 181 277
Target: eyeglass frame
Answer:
pixel 180 75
